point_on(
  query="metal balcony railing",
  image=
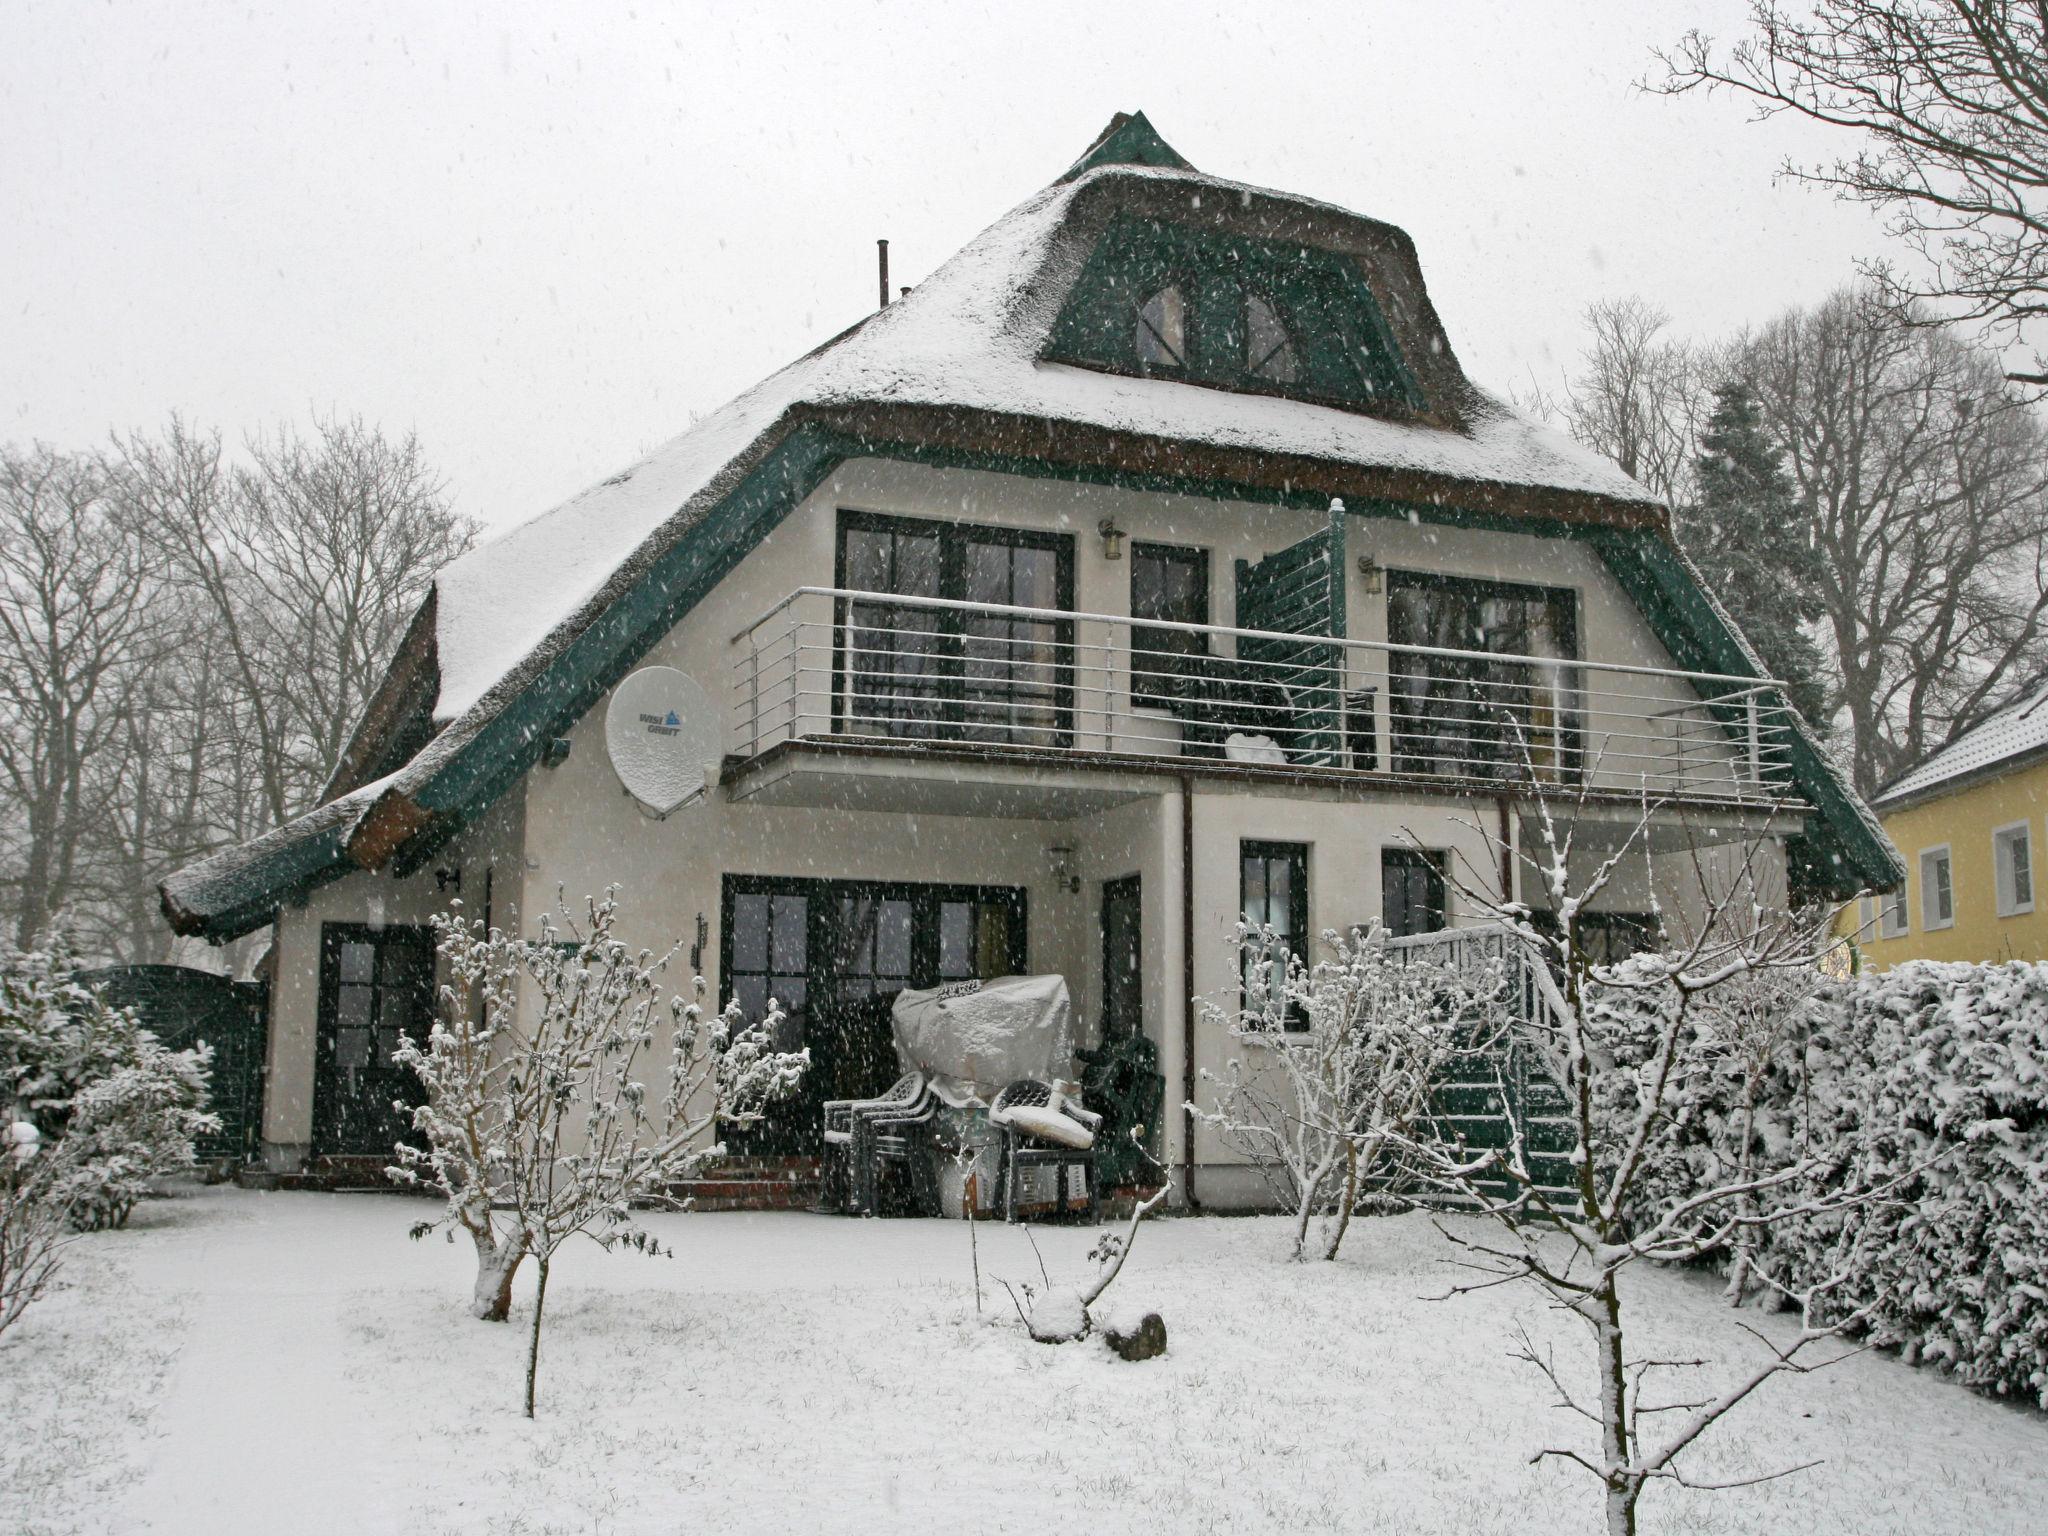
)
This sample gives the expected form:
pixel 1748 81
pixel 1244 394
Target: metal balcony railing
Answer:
pixel 832 663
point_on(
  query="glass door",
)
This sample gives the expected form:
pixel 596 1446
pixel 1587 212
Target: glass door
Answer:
pixel 376 991
pixel 954 674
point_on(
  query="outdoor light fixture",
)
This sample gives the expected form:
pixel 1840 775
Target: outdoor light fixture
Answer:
pixel 1061 857
pixel 1369 572
pixel 443 878
pixel 555 753
pixel 1112 539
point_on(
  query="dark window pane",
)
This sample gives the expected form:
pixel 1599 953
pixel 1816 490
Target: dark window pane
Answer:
pixel 892 940
pixel 750 932
pixel 956 940
pixel 358 961
pixel 789 938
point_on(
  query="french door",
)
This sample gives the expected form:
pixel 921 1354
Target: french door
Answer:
pixel 376 990
pixel 834 954
pixel 951 674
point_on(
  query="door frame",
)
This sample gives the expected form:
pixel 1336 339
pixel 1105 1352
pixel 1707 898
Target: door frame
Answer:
pixel 326 1086
pixel 949 676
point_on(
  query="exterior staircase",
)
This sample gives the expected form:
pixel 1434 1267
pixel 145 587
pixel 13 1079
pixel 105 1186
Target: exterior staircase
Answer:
pixel 753 1184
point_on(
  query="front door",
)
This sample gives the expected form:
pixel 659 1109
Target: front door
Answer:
pixel 834 954
pixel 1123 1001
pixel 376 989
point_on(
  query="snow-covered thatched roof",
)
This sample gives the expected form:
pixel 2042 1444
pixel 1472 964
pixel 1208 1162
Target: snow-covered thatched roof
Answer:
pixel 526 631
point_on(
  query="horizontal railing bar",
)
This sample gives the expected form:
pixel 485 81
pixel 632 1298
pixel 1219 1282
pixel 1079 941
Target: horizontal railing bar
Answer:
pixel 1069 616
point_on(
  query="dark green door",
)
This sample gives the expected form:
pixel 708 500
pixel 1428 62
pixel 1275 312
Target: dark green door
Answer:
pixel 376 989
pixel 1123 991
pixel 834 954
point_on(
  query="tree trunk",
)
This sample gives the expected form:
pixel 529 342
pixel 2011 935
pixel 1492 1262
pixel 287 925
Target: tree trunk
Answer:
pixel 540 1301
pixel 1622 1488
pixel 1348 1203
pixel 496 1263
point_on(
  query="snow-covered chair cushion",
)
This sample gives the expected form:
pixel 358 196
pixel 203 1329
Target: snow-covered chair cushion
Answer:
pixel 1049 1124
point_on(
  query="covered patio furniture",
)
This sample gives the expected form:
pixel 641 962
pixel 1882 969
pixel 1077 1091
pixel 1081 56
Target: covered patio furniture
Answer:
pixel 836 1184
pixel 1038 1128
pixel 971 1037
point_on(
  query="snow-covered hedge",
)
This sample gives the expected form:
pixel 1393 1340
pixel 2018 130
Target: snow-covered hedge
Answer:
pixel 94 1083
pixel 1927 1084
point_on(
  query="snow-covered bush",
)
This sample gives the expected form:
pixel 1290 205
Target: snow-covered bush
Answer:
pixel 1929 1084
pixel 33 1216
pixel 123 1109
pixel 1342 1055
pixel 537 1124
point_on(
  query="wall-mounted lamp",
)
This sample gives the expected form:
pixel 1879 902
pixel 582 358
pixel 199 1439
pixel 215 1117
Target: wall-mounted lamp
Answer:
pixel 1369 573
pixel 1060 856
pixel 555 753
pixel 1112 539
pixel 444 878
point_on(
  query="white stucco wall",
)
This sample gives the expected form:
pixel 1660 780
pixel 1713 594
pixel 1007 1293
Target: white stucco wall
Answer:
pixel 571 830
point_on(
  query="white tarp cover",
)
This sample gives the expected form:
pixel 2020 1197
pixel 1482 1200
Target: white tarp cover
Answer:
pixel 973 1040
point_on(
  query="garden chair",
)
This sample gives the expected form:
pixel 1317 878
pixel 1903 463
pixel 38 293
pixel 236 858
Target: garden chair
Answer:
pixel 1038 1128
pixel 836 1176
pixel 901 1136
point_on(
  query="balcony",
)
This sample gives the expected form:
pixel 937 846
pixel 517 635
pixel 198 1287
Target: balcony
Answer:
pixel 1088 694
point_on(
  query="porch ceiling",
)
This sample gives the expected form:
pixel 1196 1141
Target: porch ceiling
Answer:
pixel 900 782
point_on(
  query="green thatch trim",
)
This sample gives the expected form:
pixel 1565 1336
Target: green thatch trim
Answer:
pixel 1843 851
pixel 239 891
pixel 1128 140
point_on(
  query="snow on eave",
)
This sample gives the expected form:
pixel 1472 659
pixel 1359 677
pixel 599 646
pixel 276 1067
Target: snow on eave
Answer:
pixel 2003 742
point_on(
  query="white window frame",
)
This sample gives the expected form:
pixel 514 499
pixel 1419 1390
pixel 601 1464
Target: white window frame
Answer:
pixel 2002 838
pixel 1929 922
pixel 1894 914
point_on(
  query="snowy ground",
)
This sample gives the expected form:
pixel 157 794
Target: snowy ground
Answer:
pixel 241 1362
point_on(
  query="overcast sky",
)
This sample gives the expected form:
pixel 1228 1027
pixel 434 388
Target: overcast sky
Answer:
pixel 545 236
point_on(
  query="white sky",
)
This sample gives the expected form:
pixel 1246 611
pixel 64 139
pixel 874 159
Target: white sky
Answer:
pixel 545 236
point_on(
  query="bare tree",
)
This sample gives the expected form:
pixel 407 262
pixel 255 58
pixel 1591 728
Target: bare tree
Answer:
pixel 1950 101
pixel 1924 484
pixel 1642 395
pixel 309 560
pixel 1343 1056
pixel 76 630
pixel 536 1126
pixel 1625 1086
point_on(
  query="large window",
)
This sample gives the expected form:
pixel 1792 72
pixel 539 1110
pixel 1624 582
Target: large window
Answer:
pixel 1169 582
pixel 1412 890
pixel 1937 889
pixel 2012 858
pixel 1513 693
pixel 936 673
pixel 834 954
pixel 1273 896
pixel 1222 332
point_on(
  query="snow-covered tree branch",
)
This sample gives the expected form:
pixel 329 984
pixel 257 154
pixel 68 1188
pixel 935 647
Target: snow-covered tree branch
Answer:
pixel 538 1123
pixel 1335 1066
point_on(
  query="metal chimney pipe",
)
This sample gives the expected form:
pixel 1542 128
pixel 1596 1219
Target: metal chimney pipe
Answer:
pixel 882 257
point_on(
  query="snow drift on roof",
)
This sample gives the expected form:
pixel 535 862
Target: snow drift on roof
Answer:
pixel 968 336
pixel 2014 731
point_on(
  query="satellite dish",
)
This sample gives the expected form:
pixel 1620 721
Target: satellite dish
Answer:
pixel 663 738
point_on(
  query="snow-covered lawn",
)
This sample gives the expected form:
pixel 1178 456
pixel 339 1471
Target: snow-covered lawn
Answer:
pixel 240 1362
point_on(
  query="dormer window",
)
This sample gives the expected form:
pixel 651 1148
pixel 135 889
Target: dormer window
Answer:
pixel 1232 311
pixel 1162 330
pixel 1268 349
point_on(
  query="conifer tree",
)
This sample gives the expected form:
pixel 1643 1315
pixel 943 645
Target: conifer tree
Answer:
pixel 1746 533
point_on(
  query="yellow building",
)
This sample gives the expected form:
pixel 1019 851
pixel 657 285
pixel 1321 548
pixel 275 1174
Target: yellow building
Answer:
pixel 1970 823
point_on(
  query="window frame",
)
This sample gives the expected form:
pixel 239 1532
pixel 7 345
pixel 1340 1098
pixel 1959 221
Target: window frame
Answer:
pixel 1943 855
pixel 2005 891
pixel 951 684
pixel 1296 856
pixel 1436 862
pixel 1157 693
pixel 1895 905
